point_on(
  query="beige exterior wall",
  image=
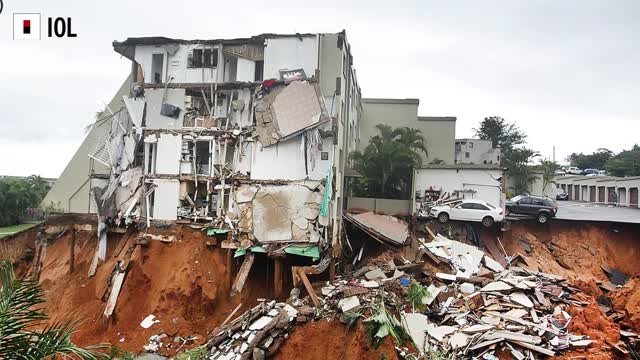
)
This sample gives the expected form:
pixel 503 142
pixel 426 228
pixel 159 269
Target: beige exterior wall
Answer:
pixel 71 191
pixel 439 132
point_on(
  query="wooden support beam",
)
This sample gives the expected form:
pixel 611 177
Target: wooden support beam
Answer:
pixel 278 277
pixel 117 280
pixel 307 285
pixel 235 310
pixel 242 275
pixel 229 267
pixel 433 236
pixel 332 270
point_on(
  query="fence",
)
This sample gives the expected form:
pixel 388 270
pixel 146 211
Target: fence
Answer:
pixel 386 206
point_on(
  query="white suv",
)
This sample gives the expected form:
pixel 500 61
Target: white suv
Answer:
pixel 468 210
pixel 573 170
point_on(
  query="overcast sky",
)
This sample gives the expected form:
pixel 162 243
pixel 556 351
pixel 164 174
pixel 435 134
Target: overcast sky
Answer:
pixel 567 72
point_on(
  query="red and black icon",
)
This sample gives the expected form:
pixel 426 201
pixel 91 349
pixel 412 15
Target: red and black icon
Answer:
pixel 26 26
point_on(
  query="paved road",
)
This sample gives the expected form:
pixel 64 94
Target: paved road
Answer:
pixel 575 210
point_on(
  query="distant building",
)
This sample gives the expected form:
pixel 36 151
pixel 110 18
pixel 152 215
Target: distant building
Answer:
pixel 476 151
pixel 439 132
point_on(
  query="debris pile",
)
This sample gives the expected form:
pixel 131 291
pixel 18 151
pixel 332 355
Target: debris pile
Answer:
pixel 479 309
pixel 483 307
pixel 256 334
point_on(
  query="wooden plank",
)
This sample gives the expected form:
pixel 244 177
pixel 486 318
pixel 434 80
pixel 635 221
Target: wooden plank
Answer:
pixel 433 236
pixel 118 280
pixel 94 264
pixel 485 344
pixel 278 277
pixel 497 255
pixel 535 348
pixel 307 285
pixel 231 315
pixel 513 336
pixel 522 322
pixel 126 238
pixel 242 275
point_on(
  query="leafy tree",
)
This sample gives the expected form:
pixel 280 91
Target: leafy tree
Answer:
pixel 596 160
pixel 16 195
pixel 520 170
pixel 626 163
pixel 501 133
pixel 23 333
pixel 387 162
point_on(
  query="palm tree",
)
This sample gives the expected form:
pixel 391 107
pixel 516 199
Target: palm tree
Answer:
pixel 23 332
pixel 387 162
pixel 519 169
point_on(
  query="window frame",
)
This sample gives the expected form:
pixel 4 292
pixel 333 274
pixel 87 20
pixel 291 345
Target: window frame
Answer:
pixel 197 56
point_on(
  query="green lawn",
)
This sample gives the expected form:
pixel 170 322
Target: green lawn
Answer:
pixel 9 230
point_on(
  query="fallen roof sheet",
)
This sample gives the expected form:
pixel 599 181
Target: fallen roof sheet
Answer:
pixel 382 227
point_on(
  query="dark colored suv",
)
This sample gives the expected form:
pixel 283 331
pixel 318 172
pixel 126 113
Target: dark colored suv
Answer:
pixel 541 208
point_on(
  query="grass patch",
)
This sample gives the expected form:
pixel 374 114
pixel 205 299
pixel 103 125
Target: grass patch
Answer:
pixel 10 230
pixel 199 353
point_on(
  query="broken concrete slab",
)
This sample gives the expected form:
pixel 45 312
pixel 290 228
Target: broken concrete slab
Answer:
pixel 467 288
pixel 464 258
pixel 458 340
pixel 349 304
pixel 384 228
pixel 496 286
pixel 521 298
pixel 260 323
pixel 416 324
pixel 273 209
pixel 492 264
pixel 517 313
pixel 439 332
pixel 375 274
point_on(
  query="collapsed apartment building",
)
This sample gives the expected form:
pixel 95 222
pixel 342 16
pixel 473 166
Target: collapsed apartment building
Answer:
pixel 247 137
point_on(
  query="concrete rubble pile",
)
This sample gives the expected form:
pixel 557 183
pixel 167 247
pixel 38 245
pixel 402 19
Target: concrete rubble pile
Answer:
pixel 256 334
pixel 479 309
pixel 482 307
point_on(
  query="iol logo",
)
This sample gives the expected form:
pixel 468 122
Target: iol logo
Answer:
pixel 28 26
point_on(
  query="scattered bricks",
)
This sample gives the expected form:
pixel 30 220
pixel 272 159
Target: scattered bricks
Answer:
pixel 475 301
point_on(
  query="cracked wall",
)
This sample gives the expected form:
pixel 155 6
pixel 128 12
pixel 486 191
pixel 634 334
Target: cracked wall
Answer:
pixel 281 213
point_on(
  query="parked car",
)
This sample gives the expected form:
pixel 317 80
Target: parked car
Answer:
pixel 590 172
pixel 542 208
pixel 561 172
pixel 561 194
pixel 573 170
pixel 468 210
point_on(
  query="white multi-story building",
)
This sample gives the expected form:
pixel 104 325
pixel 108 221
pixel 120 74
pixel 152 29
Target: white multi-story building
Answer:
pixel 248 135
pixel 476 151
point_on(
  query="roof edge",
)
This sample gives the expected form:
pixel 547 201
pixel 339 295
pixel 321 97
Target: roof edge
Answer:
pixel 437 118
pixel 411 101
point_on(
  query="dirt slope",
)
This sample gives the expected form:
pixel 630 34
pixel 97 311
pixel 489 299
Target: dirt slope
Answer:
pixel 576 250
pixel 184 284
